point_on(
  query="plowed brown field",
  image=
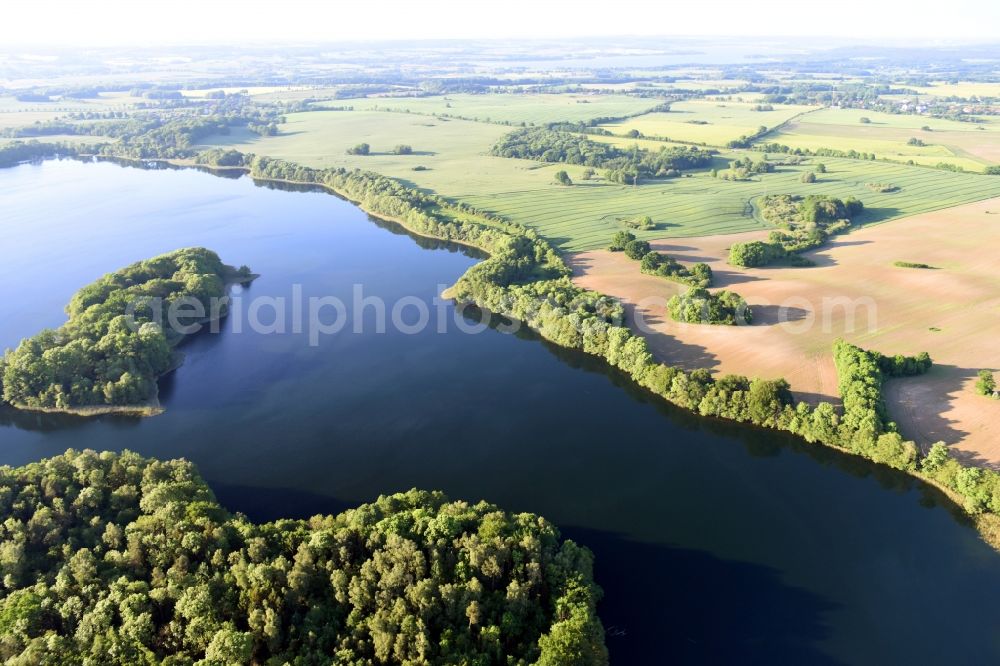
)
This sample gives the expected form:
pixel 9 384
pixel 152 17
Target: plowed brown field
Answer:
pixel 854 292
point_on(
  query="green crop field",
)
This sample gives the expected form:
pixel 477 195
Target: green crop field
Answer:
pixel 969 145
pixel 454 152
pixel 711 122
pixel 516 109
pixel 584 215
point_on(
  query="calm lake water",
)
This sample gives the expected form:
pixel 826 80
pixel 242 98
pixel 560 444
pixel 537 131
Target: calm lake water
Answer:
pixel 714 543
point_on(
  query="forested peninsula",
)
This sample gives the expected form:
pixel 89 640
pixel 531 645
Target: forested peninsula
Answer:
pixel 117 341
pixel 122 560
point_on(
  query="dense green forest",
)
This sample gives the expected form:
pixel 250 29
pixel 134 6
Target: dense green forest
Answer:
pixel 116 341
pixel 804 223
pixel 623 166
pixel 118 559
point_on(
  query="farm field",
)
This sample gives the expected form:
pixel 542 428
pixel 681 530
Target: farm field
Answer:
pixel 584 216
pixel 14 113
pixel 968 145
pixel 515 109
pixel 454 152
pixel 960 89
pixel 948 312
pixel 723 121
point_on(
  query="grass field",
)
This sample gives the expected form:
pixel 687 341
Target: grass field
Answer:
pixel 585 215
pixel 965 144
pixel 960 89
pixel 527 108
pixel 454 151
pixel 724 121
pixel 14 113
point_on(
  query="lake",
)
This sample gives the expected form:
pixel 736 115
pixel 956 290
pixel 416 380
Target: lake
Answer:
pixel 714 542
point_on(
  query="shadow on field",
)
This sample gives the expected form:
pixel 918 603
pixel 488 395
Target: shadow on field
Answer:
pixel 821 256
pixel 677 252
pixel 727 278
pixel 690 607
pixel 666 347
pixel 871 215
pixel 770 315
pixel 919 404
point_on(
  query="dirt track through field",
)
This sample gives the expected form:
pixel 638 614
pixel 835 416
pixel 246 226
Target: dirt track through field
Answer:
pixel 950 311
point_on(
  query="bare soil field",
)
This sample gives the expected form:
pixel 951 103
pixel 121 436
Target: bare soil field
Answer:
pixel 855 292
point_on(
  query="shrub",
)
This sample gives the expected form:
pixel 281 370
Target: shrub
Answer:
pixel 620 240
pixel 986 384
pixel 635 249
pixel 643 222
pixel 754 253
pixel 360 149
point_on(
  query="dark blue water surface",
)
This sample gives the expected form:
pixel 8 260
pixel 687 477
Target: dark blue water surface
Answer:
pixel 714 543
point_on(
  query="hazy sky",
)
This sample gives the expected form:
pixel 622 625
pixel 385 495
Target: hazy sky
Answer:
pixel 118 22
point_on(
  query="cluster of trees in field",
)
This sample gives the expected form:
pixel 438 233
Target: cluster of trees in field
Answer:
pixel 622 165
pixel 818 152
pixel 744 168
pixel 118 559
pixel 656 263
pixel 882 187
pixel 642 223
pixel 115 344
pixel 526 280
pixel 700 306
pixel 804 223
pixel 747 140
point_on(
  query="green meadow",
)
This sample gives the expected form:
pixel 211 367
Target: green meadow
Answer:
pixel 456 164
pixel 584 216
pixel 969 145
pixel 710 122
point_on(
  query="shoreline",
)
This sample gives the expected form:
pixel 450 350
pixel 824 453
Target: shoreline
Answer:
pixel 986 524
